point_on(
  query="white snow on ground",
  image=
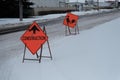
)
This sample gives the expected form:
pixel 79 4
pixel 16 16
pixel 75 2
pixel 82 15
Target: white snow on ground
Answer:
pixel 15 21
pixel 94 54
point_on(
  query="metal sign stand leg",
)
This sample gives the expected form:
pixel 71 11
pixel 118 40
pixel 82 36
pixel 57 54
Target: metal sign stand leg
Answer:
pixel 49 50
pixel 67 31
pixel 24 54
pixel 40 53
pixel 77 28
pixel 44 29
pixel 48 44
pixel 37 55
pixel 28 58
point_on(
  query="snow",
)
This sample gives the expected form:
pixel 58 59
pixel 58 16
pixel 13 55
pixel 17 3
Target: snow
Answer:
pixel 91 55
pixel 84 0
pixel 10 22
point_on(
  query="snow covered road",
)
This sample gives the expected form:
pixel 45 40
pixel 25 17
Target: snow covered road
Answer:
pixel 91 55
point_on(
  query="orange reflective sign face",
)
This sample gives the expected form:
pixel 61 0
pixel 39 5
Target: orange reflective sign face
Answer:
pixel 70 20
pixel 34 37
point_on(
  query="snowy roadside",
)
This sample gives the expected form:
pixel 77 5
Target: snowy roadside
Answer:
pixel 91 55
pixel 13 22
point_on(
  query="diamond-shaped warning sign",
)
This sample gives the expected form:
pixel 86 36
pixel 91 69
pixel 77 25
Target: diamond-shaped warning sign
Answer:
pixel 70 20
pixel 34 38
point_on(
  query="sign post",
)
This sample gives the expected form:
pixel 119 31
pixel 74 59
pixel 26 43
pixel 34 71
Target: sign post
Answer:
pixel 34 38
pixel 70 21
pixel 21 10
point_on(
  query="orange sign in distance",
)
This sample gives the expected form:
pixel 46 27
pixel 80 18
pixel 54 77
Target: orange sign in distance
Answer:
pixel 34 38
pixel 70 20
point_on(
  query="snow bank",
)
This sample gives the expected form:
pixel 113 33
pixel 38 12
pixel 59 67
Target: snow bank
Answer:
pixel 15 21
pixel 91 55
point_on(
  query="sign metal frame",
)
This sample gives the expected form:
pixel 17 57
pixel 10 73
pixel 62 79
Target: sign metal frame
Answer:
pixel 68 30
pixel 39 56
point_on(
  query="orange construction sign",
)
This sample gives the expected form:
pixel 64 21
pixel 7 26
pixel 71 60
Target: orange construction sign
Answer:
pixel 70 20
pixel 34 38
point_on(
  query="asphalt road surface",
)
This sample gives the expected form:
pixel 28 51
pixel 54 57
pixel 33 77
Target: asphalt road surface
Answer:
pixel 11 46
